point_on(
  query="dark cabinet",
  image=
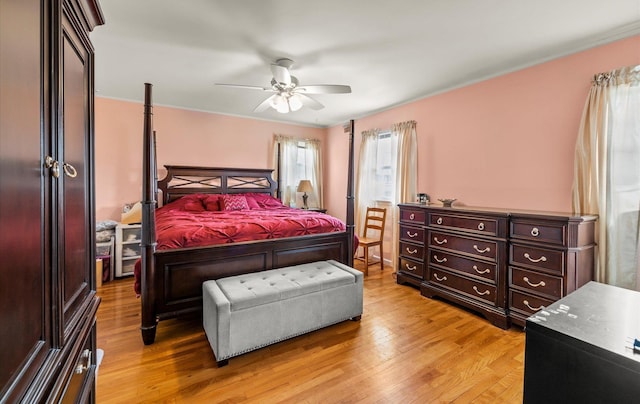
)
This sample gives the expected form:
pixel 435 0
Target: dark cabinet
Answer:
pixel 411 250
pixel 466 253
pixel 47 282
pixel 504 264
pixel 578 349
pixel 550 256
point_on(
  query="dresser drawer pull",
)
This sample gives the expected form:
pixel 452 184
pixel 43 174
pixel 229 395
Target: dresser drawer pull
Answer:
pixel 411 268
pixel 486 292
pixel 485 271
pixel 412 235
pixel 415 250
pixel 535 232
pixel 435 257
pixel 444 278
pixel 526 303
pixel 475 247
pixel 481 226
pixel 535 285
pixel 444 241
pixel 412 216
pixel 542 258
pixel 439 221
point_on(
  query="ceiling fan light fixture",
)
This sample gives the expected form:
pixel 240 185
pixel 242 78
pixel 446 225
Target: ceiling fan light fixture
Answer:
pixel 295 102
pixel 288 95
pixel 279 103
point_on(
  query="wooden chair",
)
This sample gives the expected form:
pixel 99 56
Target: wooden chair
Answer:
pixel 372 236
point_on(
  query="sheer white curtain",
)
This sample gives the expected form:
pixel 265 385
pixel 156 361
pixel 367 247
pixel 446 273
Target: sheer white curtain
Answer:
pixel 299 160
pixel 367 164
pixel 404 145
pixel 607 173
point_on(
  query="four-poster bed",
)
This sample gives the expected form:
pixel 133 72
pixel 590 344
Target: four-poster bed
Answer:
pixel 171 279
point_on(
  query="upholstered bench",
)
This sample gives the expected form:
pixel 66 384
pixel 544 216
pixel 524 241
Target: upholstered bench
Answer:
pixel 246 312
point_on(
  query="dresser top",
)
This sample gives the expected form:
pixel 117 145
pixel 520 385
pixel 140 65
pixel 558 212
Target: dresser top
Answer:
pixel 508 212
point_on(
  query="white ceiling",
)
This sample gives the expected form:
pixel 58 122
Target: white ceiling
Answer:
pixel 389 52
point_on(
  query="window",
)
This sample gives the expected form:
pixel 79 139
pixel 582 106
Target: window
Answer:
pixel 299 160
pixel 607 173
pixel 623 204
pixel 304 162
pixel 385 170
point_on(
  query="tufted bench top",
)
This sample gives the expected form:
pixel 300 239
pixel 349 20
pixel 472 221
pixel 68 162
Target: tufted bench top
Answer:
pixel 258 288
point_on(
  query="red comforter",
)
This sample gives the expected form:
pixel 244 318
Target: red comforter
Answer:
pixel 178 227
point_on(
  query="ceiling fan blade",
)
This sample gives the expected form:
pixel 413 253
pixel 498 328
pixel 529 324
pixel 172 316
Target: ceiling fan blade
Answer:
pixel 264 105
pixel 244 86
pixel 309 102
pixel 324 89
pixel 281 74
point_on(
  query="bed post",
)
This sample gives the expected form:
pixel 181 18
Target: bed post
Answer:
pixel 278 167
pixel 350 128
pixel 148 237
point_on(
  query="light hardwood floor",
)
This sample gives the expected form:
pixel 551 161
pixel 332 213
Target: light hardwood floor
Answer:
pixel 406 349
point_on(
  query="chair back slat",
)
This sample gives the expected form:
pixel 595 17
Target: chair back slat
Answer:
pixel 375 220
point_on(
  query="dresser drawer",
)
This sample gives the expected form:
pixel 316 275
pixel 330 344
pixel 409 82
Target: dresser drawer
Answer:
pixel 413 268
pixel 476 268
pixel 411 233
pixel 461 285
pixel 482 225
pixel 479 248
pixel 548 260
pixel 542 232
pixel 525 303
pixel 536 282
pixel 416 216
pixel 412 251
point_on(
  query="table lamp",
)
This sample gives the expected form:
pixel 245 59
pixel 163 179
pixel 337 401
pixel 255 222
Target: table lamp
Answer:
pixel 305 186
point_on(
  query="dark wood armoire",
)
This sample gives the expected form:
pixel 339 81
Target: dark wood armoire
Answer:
pixel 48 302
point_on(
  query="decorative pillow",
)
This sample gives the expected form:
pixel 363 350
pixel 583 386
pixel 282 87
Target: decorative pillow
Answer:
pixel 194 206
pixel 212 203
pixel 266 200
pixel 251 201
pixel 234 202
pixel 271 202
pixel 192 203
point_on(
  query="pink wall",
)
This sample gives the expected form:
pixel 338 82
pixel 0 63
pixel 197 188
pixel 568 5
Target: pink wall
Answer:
pixel 505 142
pixel 183 137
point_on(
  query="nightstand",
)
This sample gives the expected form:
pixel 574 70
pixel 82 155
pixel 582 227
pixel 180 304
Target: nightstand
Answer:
pixel 127 248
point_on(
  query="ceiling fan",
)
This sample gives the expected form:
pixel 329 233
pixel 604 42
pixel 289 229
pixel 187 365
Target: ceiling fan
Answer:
pixel 289 94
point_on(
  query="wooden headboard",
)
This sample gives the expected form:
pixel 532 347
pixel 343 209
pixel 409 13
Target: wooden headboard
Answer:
pixel 186 180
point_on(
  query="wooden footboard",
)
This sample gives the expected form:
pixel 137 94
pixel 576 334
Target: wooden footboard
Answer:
pixel 181 273
pixel 177 278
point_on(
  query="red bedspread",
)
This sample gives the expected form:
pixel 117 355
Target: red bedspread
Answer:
pixel 178 228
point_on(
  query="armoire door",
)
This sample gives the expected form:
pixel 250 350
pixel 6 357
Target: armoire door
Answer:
pixel 74 147
pixel 47 297
pixel 25 336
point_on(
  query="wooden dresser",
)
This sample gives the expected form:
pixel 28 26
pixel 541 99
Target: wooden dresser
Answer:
pixel 504 264
pixel 412 245
pixel 549 257
pixel 464 258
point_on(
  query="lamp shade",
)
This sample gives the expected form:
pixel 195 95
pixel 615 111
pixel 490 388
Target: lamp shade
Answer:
pixel 305 186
